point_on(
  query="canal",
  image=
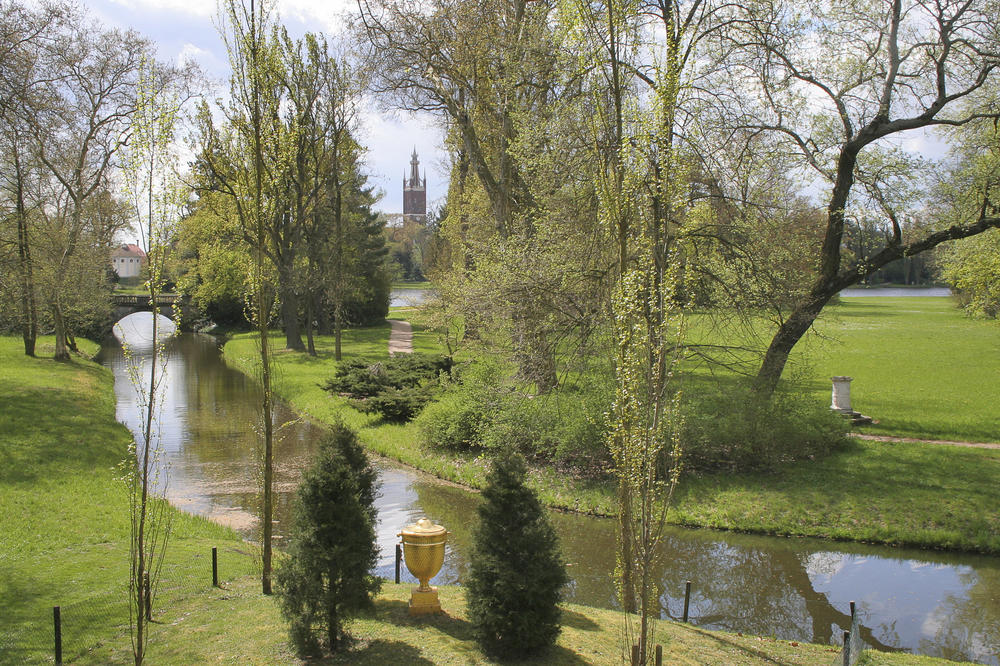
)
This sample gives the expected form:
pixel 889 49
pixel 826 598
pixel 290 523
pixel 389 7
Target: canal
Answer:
pixel 939 604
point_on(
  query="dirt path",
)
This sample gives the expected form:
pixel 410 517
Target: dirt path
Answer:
pixel 884 438
pixel 401 337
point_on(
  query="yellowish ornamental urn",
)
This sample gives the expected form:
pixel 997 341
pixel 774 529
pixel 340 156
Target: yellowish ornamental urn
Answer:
pixel 423 551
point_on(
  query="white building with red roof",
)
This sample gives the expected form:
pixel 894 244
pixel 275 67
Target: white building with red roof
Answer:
pixel 127 260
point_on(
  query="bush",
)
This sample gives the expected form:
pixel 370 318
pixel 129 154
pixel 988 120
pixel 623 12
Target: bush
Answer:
pixel 486 410
pixel 326 577
pixel 458 419
pixel 515 571
pixel 735 429
pixel 566 425
pixel 397 388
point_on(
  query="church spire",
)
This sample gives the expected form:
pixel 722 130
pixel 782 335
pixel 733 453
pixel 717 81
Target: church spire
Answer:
pixel 415 191
pixel 414 169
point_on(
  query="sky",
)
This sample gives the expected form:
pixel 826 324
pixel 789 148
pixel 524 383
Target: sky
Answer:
pixel 185 30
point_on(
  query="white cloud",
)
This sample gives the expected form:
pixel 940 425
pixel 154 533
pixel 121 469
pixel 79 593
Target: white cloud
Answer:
pixel 320 15
pixel 317 15
pixel 198 8
pixel 191 53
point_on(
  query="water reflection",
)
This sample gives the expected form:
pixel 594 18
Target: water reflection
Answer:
pixel 796 589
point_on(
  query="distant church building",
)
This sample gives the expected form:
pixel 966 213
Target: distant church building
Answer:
pixel 415 192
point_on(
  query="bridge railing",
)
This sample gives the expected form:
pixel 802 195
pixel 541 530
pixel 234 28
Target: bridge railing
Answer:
pixel 142 300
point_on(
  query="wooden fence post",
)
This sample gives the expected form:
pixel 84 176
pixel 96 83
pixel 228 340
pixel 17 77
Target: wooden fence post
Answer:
pixel 57 622
pixel 687 599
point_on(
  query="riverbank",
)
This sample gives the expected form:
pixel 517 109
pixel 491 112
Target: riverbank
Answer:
pixel 901 494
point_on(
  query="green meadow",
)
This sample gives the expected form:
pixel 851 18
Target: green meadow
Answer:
pixel 921 367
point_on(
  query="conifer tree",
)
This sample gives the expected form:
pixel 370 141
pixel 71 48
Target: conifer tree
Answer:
pixel 516 571
pixel 327 576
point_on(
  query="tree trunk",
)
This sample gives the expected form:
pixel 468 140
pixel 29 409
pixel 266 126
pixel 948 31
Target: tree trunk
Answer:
pixel 337 328
pixel 310 342
pixel 788 335
pixel 29 324
pixel 62 352
pixel 290 312
pixel 332 630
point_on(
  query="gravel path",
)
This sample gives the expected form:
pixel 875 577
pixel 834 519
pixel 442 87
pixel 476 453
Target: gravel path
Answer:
pixel 401 337
pixel 884 438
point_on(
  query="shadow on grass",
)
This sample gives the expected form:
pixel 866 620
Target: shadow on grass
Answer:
pixel 578 621
pixel 54 440
pixel 377 652
pixel 739 648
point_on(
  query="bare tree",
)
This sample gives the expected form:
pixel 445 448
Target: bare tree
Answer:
pixel 24 33
pixel 77 136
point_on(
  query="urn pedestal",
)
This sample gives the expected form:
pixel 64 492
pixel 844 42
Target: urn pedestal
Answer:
pixel 423 552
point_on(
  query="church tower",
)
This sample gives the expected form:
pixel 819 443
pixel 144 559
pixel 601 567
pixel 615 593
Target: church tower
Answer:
pixel 415 192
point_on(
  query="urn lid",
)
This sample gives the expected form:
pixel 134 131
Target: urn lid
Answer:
pixel 423 527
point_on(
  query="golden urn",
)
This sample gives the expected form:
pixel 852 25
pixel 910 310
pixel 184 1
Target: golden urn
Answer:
pixel 423 551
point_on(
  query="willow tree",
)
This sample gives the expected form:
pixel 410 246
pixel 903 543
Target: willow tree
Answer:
pixel 156 198
pixel 78 135
pixel 250 159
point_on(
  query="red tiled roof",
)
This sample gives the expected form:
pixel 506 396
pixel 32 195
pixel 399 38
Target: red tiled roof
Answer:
pixel 128 250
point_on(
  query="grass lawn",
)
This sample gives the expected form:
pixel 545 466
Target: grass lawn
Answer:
pixel 920 366
pixel 919 495
pixel 239 625
pixel 64 526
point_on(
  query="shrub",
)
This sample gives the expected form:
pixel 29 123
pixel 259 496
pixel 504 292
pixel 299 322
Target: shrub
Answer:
pixel 396 388
pixel 566 425
pixel 515 571
pixel 487 410
pixel 735 429
pixel 452 422
pixel 463 412
pixel 326 577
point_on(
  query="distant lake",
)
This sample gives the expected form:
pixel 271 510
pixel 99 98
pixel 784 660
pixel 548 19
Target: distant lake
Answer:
pixel 896 291
pixel 408 296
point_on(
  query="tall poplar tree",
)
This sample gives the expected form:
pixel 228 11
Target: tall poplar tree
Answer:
pixel 256 151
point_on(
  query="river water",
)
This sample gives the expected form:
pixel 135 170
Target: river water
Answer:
pixel 939 604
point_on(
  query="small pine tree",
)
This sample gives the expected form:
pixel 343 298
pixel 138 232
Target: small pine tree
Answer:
pixel 516 572
pixel 326 577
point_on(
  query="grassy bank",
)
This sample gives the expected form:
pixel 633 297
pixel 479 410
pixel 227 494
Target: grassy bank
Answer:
pixel 918 495
pixel 64 527
pixel 239 625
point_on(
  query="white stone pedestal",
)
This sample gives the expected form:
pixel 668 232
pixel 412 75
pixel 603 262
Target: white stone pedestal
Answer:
pixel 841 395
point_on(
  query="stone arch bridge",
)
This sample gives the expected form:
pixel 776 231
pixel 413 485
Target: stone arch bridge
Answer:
pixel 177 307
